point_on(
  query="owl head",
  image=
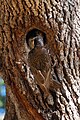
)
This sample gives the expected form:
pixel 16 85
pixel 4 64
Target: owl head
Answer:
pixel 35 38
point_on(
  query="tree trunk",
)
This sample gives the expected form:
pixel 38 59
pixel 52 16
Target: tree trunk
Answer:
pixel 59 21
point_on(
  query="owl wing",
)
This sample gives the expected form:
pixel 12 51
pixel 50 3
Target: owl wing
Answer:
pixel 38 75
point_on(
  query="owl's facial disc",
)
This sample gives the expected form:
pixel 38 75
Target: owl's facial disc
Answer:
pixel 39 41
pixel 36 41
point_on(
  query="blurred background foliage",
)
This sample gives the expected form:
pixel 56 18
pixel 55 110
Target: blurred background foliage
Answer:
pixel 2 96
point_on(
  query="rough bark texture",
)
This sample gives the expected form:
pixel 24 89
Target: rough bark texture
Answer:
pixel 60 21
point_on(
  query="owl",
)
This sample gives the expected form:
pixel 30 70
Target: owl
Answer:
pixel 40 64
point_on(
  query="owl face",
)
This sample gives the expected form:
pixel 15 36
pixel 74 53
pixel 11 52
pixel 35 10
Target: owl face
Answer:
pixel 35 38
pixel 36 41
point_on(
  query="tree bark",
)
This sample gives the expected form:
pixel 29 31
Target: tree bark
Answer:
pixel 59 20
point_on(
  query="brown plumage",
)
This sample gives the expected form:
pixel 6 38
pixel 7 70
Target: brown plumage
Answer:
pixel 40 64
